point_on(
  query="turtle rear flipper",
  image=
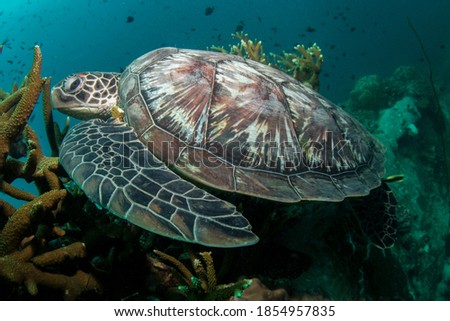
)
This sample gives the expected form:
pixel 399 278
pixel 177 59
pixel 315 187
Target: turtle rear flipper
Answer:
pixel 117 171
pixel 377 216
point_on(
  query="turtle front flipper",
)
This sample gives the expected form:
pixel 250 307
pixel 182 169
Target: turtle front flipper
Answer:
pixel 118 172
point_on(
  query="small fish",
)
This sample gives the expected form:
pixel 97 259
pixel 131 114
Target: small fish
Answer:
pixel 240 27
pixel 394 178
pixel 310 29
pixel 209 11
pixel 130 19
pixel 4 43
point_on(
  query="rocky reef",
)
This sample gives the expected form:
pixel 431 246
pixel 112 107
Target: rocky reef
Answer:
pixel 403 113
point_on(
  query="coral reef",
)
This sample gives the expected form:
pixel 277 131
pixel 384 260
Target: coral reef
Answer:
pixel 19 262
pixel 396 122
pixel 373 92
pixel 26 231
pixel 58 245
pixel 399 110
pixel 304 65
pixel 369 92
pixel 14 118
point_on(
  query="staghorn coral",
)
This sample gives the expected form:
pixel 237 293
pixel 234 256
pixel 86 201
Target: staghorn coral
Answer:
pixel 24 257
pixel 304 65
pixel 14 119
pixel 16 109
pixel 21 220
pixel 20 265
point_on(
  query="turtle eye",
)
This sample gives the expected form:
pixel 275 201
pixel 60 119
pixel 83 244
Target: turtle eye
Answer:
pixel 72 84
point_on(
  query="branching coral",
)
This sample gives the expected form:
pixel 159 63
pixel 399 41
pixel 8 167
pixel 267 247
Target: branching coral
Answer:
pixel 304 65
pixel 24 234
pixel 14 119
pixel 17 108
pixel 203 285
pixel 248 48
pixel 20 265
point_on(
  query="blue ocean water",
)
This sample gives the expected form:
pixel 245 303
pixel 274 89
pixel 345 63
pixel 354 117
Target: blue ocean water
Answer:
pixel 358 38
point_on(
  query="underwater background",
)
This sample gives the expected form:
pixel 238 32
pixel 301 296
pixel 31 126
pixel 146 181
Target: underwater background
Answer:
pixel 374 67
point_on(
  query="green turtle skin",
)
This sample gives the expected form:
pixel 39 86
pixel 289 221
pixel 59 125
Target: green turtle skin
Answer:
pixel 216 120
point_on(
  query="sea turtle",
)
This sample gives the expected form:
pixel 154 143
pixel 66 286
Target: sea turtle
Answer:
pixel 214 120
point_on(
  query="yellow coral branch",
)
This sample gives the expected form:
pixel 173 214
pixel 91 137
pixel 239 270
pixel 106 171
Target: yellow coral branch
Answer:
pixel 16 192
pixel 20 222
pixel 11 126
pixel 187 275
pixel 3 95
pixel 26 104
pixel 6 208
pixel 11 100
pixel 38 167
pixel 16 268
pixel 73 251
pixel 210 271
pixel 248 48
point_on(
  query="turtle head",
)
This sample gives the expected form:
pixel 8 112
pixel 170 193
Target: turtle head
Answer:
pixel 87 95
